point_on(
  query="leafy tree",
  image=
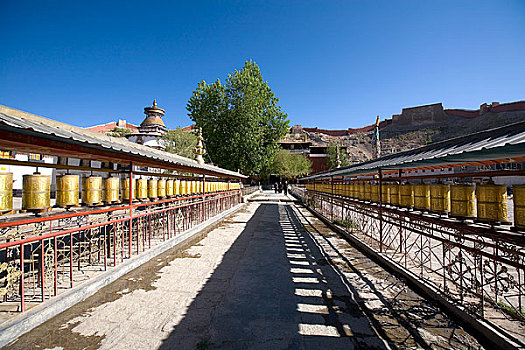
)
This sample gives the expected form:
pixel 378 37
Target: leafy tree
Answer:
pixel 180 142
pixel 331 150
pixel 290 165
pixel 241 120
pixel 119 132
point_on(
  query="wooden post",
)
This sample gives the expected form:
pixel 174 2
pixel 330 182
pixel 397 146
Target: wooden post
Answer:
pixel 332 198
pixel 380 210
pixel 131 209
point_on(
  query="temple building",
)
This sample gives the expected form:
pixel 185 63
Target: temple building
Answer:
pixel 151 129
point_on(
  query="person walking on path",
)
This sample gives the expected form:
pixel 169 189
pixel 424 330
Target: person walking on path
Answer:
pixel 285 188
pixel 275 187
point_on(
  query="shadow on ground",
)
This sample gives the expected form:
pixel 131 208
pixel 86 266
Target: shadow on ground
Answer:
pixel 274 290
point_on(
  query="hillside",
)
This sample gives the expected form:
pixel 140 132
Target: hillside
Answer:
pixel 415 127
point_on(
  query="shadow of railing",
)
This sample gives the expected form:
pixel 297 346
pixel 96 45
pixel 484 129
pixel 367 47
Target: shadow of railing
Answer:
pixel 271 291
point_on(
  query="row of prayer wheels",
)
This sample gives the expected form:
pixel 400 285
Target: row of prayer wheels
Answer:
pixel 485 202
pixel 36 191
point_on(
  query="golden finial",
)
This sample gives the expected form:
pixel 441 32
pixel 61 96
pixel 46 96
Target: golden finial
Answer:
pixel 337 157
pixel 199 150
pixel 155 103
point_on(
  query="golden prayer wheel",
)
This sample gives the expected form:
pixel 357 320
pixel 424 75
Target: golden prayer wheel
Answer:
pixel 36 192
pixel 374 193
pixel 385 195
pixel 367 192
pixel 125 190
pixel 347 189
pixel 6 192
pixel 111 189
pixel 519 205
pixel 161 188
pixel 440 198
pixel 360 192
pixel 463 201
pixel 422 196
pixel 394 194
pixel 492 202
pixel 92 190
pixel 67 191
pixel 152 189
pixel 142 189
pixel 176 187
pixel 170 191
pixel 184 187
pixel 193 187
pixel 406 195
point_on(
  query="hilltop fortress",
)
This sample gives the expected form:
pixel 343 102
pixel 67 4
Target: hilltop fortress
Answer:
pixel 414 127
pixel 434 114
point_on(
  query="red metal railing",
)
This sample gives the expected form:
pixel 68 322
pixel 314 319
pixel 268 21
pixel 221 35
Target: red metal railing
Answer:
pixel 41 256
pixel 480 267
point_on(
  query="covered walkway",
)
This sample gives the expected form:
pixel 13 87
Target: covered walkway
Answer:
pixel 271 276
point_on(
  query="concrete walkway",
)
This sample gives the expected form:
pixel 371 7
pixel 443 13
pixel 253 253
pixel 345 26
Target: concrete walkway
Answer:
pixel 270 277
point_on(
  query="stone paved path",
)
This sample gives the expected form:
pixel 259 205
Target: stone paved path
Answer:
pixel 270 277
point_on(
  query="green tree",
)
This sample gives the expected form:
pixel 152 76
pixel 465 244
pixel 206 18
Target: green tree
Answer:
pixel 331 150
pixel 119 132
pixel 180 142
pixel 289 165
pixel 241 120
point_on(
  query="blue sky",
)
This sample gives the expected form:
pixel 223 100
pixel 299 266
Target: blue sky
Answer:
pixel 333 64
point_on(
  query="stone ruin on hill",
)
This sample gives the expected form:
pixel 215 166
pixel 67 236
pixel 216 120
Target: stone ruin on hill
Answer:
pixel 413 128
